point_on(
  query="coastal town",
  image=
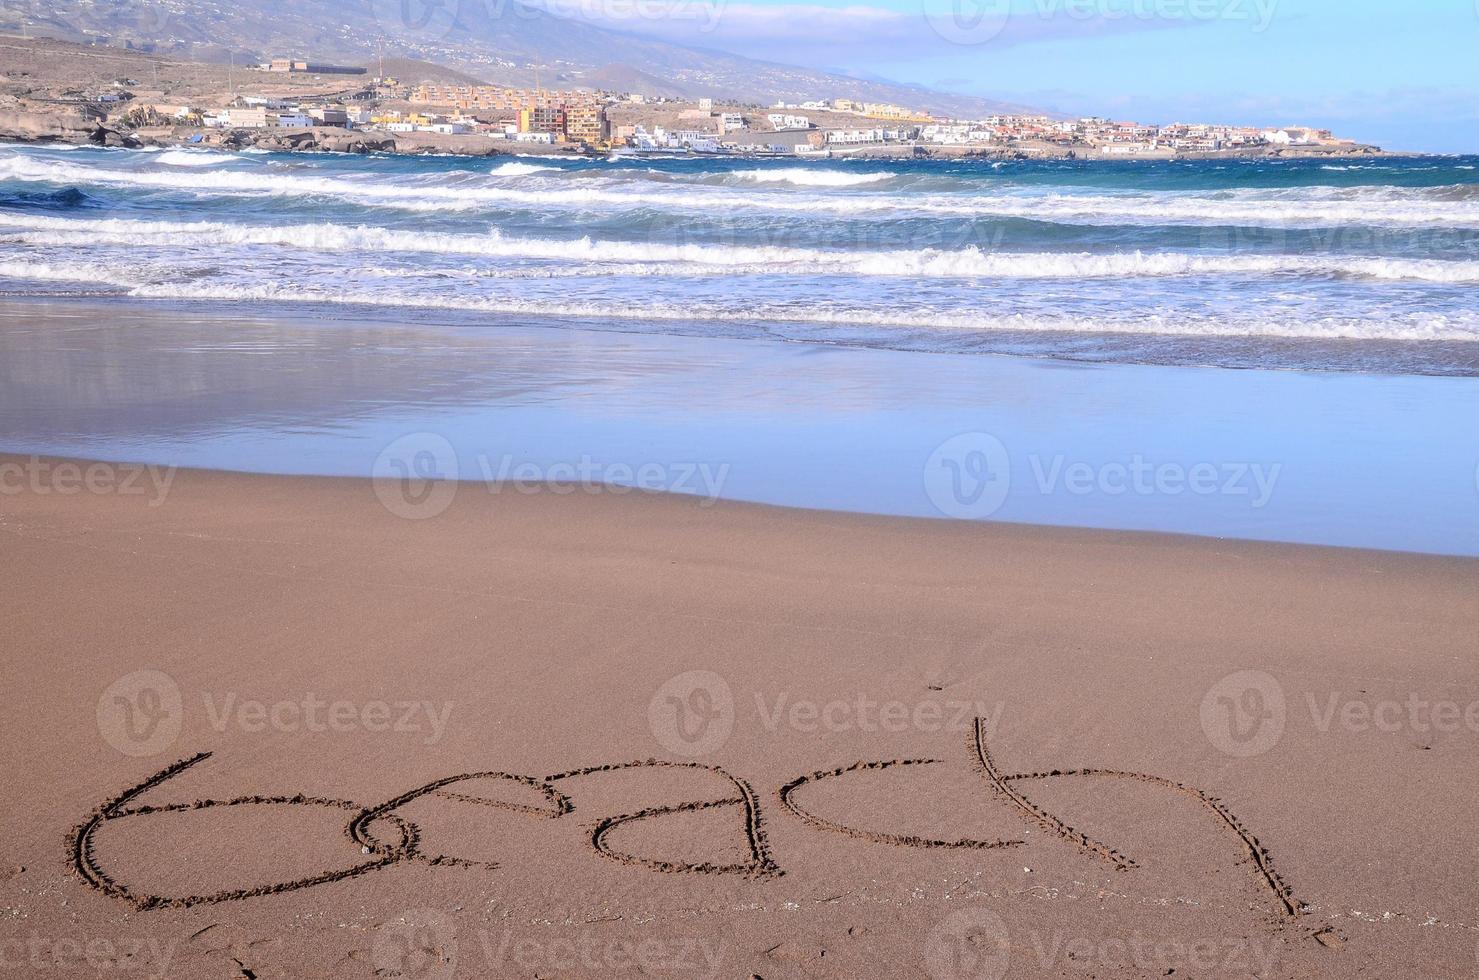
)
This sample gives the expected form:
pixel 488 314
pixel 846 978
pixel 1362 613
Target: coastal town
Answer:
pixel 292 103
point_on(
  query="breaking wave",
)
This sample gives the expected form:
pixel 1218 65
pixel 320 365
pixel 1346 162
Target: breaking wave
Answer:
pixel 699 259
pixel 804 177
pixel 145 283
pixel 1448 206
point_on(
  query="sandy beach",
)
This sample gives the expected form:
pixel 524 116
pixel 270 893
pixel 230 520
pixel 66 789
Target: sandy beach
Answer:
pixel 264 726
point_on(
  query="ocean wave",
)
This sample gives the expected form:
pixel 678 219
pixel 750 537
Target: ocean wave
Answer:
pixel 193 158
pixel 142 284
pixel 86 272
pixel 516 169
pixel 1446 206
pixel 806 177
pixel 693 259
pixel 65 199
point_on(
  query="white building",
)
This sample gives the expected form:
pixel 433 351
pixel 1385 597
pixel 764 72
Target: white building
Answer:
pixel 876 135
pixel 782 121
pixel 250 118
pixel 848 136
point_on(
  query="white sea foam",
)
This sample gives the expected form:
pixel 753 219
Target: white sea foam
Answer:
pixel 193 158
pixel 1454 206
pixel 516 169
pixel 805 177
pixel 698 259
pixel 142 283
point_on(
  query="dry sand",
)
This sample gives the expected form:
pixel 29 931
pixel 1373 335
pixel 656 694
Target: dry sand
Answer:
pixel 343 666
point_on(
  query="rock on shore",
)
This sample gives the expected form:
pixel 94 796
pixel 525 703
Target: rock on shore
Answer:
pixel 45 127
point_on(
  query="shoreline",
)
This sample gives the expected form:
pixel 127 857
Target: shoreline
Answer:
pixel 504 394
pixel 19 470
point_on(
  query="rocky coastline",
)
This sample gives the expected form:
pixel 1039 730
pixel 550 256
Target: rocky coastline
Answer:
pixel 78 128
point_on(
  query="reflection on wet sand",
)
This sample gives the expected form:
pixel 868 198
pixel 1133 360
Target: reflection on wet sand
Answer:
pixel 1349 459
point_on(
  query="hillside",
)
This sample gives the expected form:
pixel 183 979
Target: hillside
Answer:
pixel 412 70
pixel 506 43
pixel 625 78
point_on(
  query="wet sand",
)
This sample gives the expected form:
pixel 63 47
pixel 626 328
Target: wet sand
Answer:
pixel 1337 458
pixel 620 734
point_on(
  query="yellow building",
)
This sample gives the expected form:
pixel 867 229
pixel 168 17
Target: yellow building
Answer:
pixel 496 98
pixel 542 119
pixel 586 123
pixel 883 110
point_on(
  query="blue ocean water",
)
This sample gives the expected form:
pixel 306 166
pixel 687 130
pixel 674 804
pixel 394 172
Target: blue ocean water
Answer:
pixel 1368 265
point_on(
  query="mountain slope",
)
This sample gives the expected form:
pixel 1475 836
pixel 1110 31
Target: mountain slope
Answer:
pixel 498 40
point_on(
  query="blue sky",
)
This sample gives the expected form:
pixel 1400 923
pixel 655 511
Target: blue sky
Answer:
pixel 1401 74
